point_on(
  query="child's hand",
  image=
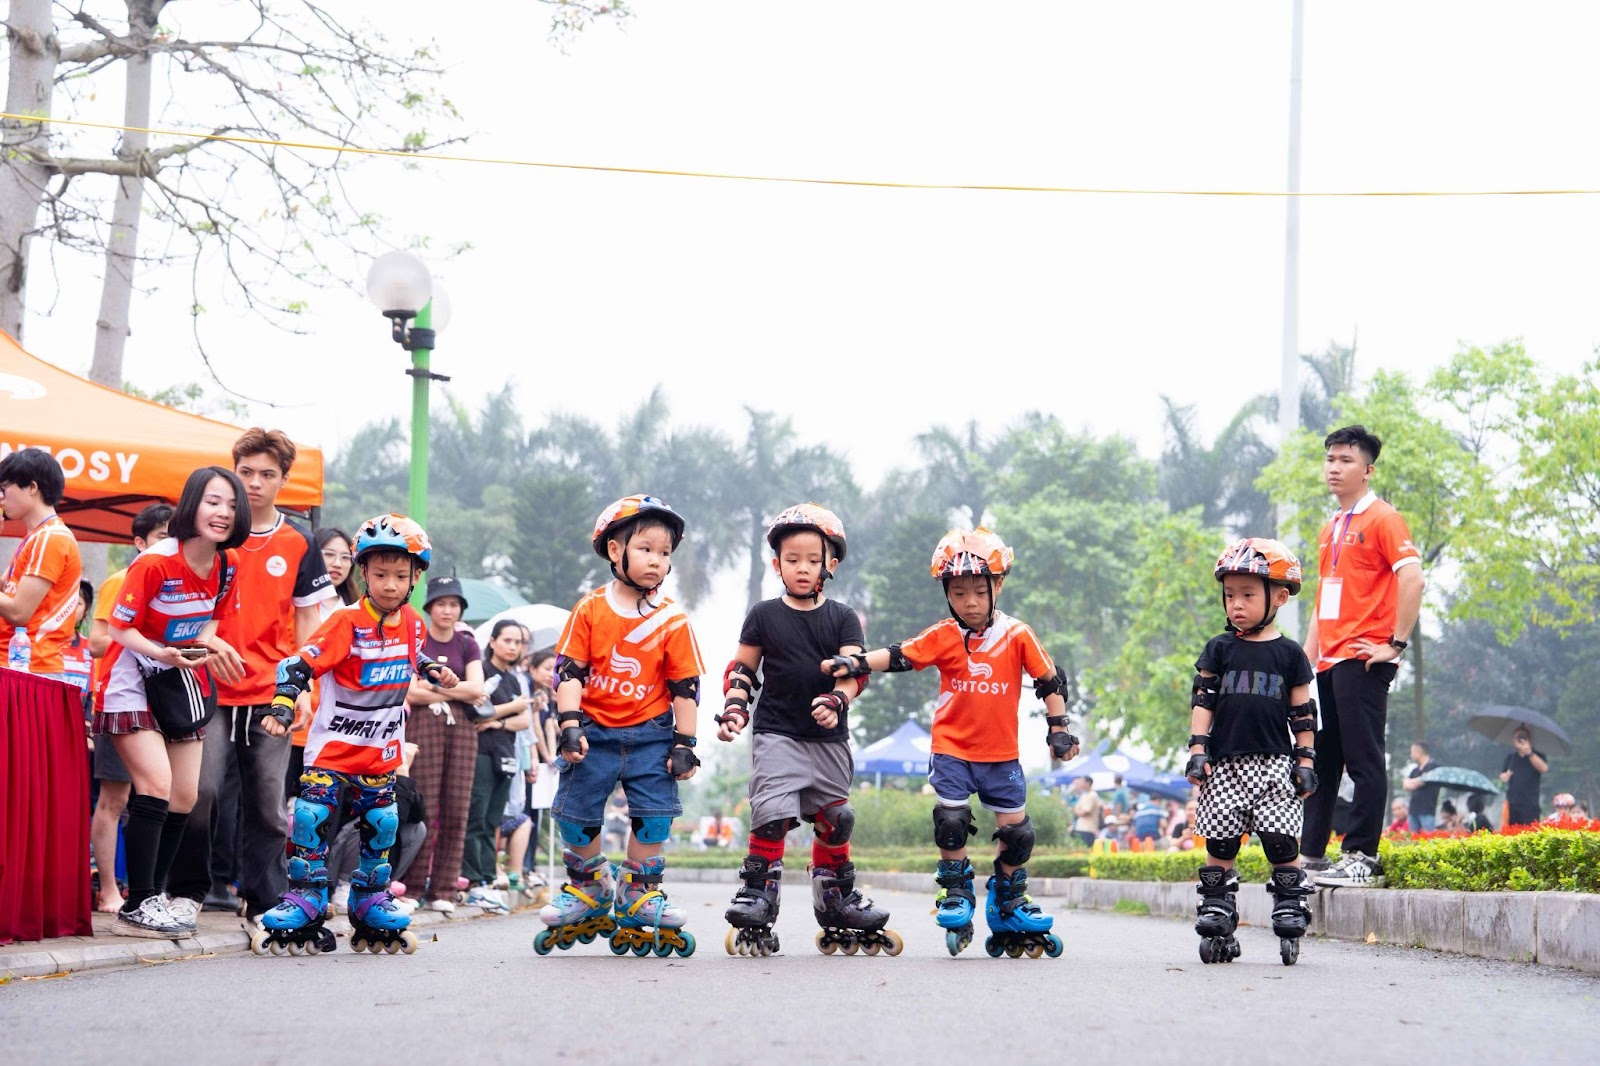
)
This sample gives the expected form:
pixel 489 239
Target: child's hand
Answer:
pixel 826 708
pixel 444 677
pixel 303 712
pixel 731 723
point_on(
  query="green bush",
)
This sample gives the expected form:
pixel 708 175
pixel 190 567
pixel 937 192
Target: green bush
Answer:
pixel 892 818
pixel 1550 860
pixel 1045 862
pixel 1178 865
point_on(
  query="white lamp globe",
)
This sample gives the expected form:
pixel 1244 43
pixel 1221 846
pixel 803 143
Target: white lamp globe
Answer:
pixel 399 281
pixel 440 315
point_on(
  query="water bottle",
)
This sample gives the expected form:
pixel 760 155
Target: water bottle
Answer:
pixel 19 655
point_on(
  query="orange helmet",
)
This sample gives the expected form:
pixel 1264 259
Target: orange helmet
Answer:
pixel 393 532
pixel 631 509
pixel 971 551
pixel 811 516
pixel 1263 558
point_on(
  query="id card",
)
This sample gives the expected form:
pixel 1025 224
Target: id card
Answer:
pixel 1328 598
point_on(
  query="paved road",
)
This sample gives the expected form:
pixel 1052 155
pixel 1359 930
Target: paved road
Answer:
pixel 1127 989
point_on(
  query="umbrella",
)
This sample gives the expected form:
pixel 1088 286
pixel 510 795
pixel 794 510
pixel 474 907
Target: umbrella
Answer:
pixel 485 599
pixel 544 620
pixel 1498 723
pixel 1461 779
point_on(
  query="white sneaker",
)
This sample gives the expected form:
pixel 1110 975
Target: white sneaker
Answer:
pixel 184 910
pixel 152 920
pixel 340 902
pixel 1353 870
pixel 443 906
pixel 488 899
pixel 405 903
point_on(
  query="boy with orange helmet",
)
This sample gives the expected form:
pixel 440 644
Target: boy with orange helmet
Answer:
pixel 628 688
pixel 1253 722
pixel 800 754
pixel 981 655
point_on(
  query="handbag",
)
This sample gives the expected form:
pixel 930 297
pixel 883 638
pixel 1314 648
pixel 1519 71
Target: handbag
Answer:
pixel 183 701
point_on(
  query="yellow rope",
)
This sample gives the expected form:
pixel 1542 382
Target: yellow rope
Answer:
pixel 857 183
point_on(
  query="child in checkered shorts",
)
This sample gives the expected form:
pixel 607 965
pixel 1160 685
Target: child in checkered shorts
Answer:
pixel 1252 690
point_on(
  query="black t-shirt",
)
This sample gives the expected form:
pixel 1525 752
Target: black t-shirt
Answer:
pixel 793 644
pixel 503 687
pixel 1256 677
pixel 1523 788
pixel 1426 798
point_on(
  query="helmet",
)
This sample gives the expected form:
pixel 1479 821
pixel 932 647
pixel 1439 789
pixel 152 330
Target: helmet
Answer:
pixel 631 509
pixel 393 532
pixel 1564 799
pixel 808 516
pixel 971 551
pixel 1263 558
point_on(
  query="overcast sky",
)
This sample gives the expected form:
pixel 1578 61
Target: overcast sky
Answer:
pixel 867 314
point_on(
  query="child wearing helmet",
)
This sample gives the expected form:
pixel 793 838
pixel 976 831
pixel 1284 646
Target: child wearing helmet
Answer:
pixel 1253 721
pixel 981 654
pixel 628 688
pixel 800 751
pixel 366 654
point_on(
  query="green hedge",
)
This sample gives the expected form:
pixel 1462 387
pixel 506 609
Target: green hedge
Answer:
pixel 1550 860
pixel 1178 865
pixel 1045 862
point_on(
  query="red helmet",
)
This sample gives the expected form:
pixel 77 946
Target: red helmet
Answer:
pixel 971 551
pixel 1263 558
pixel 631 509
pixel 811 516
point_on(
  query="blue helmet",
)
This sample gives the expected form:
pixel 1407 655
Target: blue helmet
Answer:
pixel 393 532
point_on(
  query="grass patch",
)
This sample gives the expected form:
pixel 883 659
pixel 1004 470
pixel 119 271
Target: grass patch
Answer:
pixel 1132 906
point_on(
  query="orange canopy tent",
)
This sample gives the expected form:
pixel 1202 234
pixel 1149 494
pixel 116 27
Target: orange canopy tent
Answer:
pixel 119 452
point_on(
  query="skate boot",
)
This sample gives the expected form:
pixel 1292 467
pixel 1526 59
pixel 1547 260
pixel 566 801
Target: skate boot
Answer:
pixel 848 922
pixel 955 903
pixel 377 922
pixel 755 908
pixel 581 911
pixel 295 925
pixel 1290 917
pixel 646 922
pixel 1017 926
pixel 1217 915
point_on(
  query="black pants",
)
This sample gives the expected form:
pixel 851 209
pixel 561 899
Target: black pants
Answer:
pixel 1355 709
pixel 490 791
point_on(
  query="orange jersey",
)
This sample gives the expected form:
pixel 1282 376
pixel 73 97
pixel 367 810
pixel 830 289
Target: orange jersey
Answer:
pixel 975 717
pixel 298 737
pixel 165 600
pixel 49 552
pixel 1358 598
pixel 365 670
pixel 631 658
pixel 277 571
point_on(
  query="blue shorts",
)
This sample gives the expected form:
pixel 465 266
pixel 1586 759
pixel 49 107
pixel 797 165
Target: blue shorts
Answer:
pixel 1000 786
pixel 636 755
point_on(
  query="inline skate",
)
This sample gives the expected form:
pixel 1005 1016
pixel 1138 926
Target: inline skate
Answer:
pixel 297 925
pixel 646 922
pixel 849 922
pixel 955 903
pixel 1290 917
pixel 755 908
pixel 1217 914
pixel 377 922
pixel 1017 926
pixel 581 911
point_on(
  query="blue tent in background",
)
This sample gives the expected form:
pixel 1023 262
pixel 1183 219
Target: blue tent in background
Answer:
pixel 904 752
pixel 1103 767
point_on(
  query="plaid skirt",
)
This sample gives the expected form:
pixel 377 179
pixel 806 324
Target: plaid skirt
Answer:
pixel 121 723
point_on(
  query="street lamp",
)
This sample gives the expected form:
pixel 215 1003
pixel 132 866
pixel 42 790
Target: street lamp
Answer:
pixel 400 285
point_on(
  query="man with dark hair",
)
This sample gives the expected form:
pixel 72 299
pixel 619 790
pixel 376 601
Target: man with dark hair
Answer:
pixel 279 581
pixel 1368 598
pixel 1523 770
pixel 1424 794
pixel 39 589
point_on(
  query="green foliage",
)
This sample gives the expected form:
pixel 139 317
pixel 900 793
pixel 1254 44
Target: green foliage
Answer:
pixel 891 817
pixel 1549 860
pixel 1173 866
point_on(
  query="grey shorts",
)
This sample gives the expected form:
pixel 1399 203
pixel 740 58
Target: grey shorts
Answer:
pixel 794 778
pixel 107 763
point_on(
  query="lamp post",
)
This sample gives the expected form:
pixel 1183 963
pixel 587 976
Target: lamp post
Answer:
pixel 400 285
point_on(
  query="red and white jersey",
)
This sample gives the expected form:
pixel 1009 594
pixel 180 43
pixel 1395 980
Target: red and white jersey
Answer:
pixel 975 717
pixel 365 670
pixel 631 657
pixel 166 601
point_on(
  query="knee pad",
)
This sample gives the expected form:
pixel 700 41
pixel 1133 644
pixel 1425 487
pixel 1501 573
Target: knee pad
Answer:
pixel 379 826
pixel 952 826
pixel 1281 848
pixel 575 835
pixel 652 830
pixel 835 823
pixel 1016 842
pixel 310 829
pixel 1222 848
pixel 776 829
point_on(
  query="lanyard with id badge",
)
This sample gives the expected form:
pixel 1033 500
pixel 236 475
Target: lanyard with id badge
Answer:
pixel 1332 587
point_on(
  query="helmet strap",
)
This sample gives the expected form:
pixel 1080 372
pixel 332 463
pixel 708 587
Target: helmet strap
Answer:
pixel 967 631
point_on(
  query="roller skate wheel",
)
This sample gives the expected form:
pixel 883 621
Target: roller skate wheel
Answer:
pixel 1013 950
pixel 895 945
pixel 641 949
pixel 618 946
pixel 543 942
pixel 1208 953
pixel 1033 951
pixel 1289 950
pixel 688 944
pixel 851 947
pixel 296 948
pixel 952 941
pixel 392 947
pixel 664 949
pixel 277 947
pixel 1053 946
pixel 258 942
pixel 731 943
pixel 408 942
pixel 358 944
pixel 824 945
pixel 993 947
pixel 872 948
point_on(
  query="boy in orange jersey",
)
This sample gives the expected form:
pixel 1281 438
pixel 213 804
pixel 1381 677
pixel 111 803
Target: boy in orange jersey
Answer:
pixel 981 655
pixel 364 653
pixel 627 692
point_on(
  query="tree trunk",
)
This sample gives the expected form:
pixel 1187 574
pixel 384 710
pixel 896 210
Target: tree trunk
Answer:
pixel 30 88
pixel 122 248
pixel 758 570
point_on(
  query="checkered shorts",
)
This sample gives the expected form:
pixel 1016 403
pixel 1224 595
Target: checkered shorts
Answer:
pixel 1248 794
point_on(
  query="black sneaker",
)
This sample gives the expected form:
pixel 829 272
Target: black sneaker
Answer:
pixel 1353 870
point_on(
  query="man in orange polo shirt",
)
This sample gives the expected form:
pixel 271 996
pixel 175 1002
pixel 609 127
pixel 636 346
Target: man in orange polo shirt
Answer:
pixel 39 587
pixel 1367 603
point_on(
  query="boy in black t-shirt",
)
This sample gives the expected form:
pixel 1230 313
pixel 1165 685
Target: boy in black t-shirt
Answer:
pixel 1251 690
pixel 801 765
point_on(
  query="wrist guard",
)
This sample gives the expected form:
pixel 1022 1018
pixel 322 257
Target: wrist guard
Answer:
pixel 853 666
pixel 681 758
pixel 1199 763
pixel 732 711
pixel 1202 739
pixel 1305 753
pixel 294 677
pixel 834 699
pixel 1304 779
pixel 1060 744
pixel 571 730
pixel 282 709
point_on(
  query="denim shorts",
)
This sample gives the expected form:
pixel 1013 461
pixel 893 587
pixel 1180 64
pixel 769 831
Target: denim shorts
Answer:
pixel 1000 786
pixel 636 755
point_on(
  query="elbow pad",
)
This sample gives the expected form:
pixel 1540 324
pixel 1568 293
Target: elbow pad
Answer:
pixel 687 688
pixel 1205 691
pixel 898 663
pixel 571 670
pixel 294 677
pixel 1054 685
pixel 1303 718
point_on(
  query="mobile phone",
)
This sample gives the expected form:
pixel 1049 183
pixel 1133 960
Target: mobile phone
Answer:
pixel 192 652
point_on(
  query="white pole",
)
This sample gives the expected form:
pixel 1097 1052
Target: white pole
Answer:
pixel 1289 388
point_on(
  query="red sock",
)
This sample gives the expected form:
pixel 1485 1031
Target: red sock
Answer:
pixel 762 848
pixel 830 857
